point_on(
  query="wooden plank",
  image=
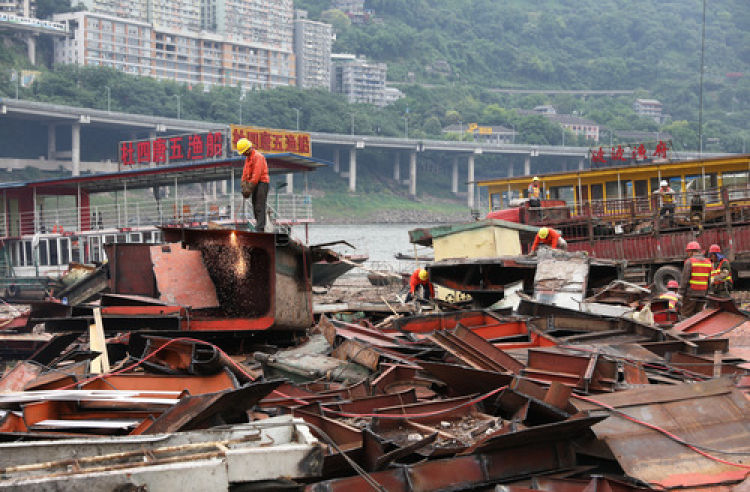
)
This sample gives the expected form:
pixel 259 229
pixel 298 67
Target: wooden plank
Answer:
pixel 97 343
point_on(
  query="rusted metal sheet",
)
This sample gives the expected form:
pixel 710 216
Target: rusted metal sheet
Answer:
pixel 194 385
pixel 712 414
pixel 589 372
pixel 182 277
pixel 475 350
pixel 130 269
pixel 701 365
pixel 594 484
pixel 18 377
pixel 461 472
pixel 462 380
pixel 719 320
pixel 226 407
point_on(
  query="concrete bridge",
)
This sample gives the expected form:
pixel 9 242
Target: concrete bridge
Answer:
pixel 142 126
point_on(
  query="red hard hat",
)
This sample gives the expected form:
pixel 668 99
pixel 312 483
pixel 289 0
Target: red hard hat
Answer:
pixel 714 248
pixel 693 246
pixel 672 284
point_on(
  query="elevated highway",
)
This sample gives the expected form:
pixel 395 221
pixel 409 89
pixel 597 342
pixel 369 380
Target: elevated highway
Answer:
pixel 144 126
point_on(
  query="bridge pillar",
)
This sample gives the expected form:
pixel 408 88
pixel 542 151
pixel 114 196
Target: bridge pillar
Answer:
pixel 527 165
pixel 336 161
pixel 353 169
pixel 413 173
pixel 397 168
pixel 581 164
pixel 510 169
pixel 31 48
pixel 75 148
pixel 290 183
pixel 152 137
pixel 51 142
pixel 454 179
pixel 470 197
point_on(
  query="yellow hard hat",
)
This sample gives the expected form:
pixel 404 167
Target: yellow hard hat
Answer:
pixel 536 178
pixel 243 145
pixel 423 275
pixel 544 232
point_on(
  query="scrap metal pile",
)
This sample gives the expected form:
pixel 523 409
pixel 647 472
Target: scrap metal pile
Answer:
pixel 553 399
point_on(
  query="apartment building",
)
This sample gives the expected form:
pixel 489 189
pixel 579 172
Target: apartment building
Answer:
pixel 152 49
pixel 312 50
pixel 650 108
pixel 359 80
pixel 22 8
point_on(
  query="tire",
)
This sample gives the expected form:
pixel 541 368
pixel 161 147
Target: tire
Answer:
pixel 665 274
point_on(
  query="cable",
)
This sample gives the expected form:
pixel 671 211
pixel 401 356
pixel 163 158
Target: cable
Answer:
pixel 679 440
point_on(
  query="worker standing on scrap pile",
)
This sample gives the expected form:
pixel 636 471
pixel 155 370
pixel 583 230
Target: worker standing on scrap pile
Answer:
pixel 721 272
pixel 547 236
pixel 666 193
pixel 254 181
pixel 696 274
pixel 534 194
pixel 671 295
pixel 420 279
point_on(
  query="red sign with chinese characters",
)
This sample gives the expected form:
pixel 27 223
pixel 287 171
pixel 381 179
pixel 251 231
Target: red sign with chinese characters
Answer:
pixel 173 150
pixel 271 141
pixel 630 154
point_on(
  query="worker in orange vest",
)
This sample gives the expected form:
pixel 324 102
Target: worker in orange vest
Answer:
pixel 696 275
pixel 534 193
pixel 721 272
pixel 254 182
pixel 420 279
pixel 671 295
pixel 547 236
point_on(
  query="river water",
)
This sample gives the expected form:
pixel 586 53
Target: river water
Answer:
pixel 381 242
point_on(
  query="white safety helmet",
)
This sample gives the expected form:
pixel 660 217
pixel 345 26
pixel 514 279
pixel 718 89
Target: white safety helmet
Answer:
pixel 663 183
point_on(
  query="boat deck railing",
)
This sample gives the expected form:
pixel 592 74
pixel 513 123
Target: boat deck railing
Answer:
pixel 285 209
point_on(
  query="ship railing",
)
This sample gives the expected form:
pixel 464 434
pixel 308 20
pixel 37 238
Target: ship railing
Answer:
pixel 288 210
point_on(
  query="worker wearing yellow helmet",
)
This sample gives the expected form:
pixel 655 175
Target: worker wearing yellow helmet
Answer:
pixel 254 180
pixel 534 193
pixel 549 237
pixel 420 285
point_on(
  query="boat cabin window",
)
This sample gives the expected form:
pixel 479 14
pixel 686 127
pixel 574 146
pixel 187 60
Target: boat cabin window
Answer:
pixel 734 179
pixel 28 256
pixel 75 250
pixel 95 248
pixel 597 192
pixel 54 258
pixel 496 201
pixel 134 237
pixel 565 193
pixel 122 238
pixel 64 250
pixel 43 261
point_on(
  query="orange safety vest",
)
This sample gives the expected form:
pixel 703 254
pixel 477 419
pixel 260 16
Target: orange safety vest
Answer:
pixel 671 297
pixel 700 273
pixel 534 191
pixel 715 272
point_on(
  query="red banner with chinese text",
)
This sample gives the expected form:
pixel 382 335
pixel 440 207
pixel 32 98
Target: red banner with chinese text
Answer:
pixel 172 149
pixel 271 141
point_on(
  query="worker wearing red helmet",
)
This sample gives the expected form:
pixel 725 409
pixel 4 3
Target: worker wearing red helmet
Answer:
pixel 420 278
pixel 696 276
pixel 671 294
pixel 721 272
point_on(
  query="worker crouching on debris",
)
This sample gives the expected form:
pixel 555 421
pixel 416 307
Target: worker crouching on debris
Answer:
pixel 549 237
pixel 420 286
pixel 254 181
pixel 696 275
pixel 671 295
pixel 721 272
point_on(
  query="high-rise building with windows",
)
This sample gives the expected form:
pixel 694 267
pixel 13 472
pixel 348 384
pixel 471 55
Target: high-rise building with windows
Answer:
pixel 23 8
pixel 312 49
pixel 170 52
pixel 359 80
